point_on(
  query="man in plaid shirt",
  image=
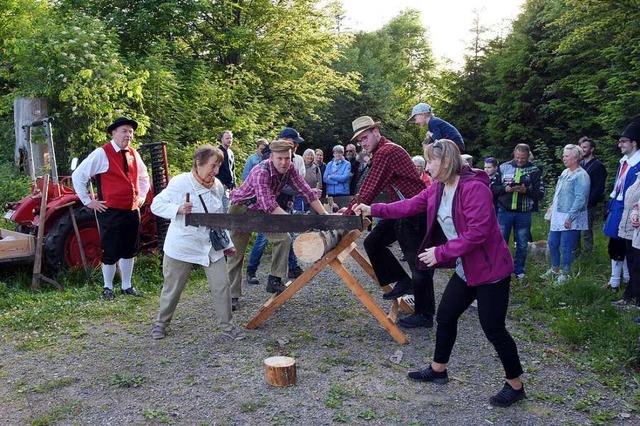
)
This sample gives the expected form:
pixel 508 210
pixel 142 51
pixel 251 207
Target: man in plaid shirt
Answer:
pixel 392 170
pixel 258 195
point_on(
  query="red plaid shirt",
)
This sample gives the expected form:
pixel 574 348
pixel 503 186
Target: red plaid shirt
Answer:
pixel 392 170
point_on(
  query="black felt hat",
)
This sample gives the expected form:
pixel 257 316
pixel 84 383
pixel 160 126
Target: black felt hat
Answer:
pixel 632 132
pixel 121 121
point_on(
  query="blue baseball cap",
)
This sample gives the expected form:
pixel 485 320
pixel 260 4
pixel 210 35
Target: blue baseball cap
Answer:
pixel 290 133
pixel 420 108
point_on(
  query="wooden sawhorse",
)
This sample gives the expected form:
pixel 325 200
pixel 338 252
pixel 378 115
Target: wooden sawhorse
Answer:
pixel 335 259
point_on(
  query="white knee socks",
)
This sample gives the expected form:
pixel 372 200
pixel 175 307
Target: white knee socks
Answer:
pixel 126 271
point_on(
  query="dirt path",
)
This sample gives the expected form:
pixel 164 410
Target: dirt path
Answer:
pixel 112 375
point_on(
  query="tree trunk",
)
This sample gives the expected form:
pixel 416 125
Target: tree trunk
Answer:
pixel 311 246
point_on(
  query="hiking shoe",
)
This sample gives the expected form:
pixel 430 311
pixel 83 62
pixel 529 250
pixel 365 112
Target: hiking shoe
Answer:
pixel 622 303
pixel 551 273
pixel 561 279
pixel 131 291
pixel 295 272
pixel 234 333
pixel 400 289
pixel 158 331
pixel 107 294
pixel 251 278
pixel 507 396
pixel 428 375
pixel 235 304
pixel 275 285
pixel 415 321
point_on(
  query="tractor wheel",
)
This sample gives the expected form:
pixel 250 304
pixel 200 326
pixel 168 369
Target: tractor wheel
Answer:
pixel 61 245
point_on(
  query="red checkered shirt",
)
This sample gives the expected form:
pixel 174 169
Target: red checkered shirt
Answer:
pixel 392 170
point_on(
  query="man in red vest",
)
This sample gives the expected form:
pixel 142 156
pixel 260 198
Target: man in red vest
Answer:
pixel 122 182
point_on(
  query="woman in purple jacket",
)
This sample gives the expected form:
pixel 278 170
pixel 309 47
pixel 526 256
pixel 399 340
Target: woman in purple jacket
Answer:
pixel 463 234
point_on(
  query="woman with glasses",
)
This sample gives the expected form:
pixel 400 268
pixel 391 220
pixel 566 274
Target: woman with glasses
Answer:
pixel 462 233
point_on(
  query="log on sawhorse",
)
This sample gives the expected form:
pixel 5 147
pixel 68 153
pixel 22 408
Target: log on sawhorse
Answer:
pixel 335 259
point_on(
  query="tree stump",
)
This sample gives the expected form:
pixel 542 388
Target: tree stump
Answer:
pixel 311 246
pixel 280 371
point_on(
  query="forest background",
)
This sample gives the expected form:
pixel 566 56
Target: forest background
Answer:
pixel 188 69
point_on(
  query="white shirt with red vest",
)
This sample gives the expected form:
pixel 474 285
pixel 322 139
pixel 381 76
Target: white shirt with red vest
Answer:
pixel 96 163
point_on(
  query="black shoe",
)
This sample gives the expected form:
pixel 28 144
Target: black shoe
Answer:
pixel 295 272
pixel 107 294
pixel 235 304
pixel 400 289
pixel 251 278
pixel 507 396
pixel 415 321
pixel 131 291
pixel 274 285
pixel 428 375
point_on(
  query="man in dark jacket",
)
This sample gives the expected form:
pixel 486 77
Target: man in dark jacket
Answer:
pixel 518 193
pixel 598 175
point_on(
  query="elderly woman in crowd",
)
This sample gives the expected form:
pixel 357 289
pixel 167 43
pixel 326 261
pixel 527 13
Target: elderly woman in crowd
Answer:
pixel 420 164
pixel 337 173
pixel 462 234
pixel 197 191
pixel 568 214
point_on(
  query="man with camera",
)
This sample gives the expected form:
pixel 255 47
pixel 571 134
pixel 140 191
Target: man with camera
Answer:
pixel 518 191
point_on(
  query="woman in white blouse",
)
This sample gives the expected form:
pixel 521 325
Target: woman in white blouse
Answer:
pixel 197 191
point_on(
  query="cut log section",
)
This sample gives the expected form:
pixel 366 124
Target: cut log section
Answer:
pixel 280 370
pixel 311 246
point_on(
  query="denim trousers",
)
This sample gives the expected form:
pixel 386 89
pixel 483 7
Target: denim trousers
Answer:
pixel 409 232
pixel 493 301
pixel 563 242
pixel 520 222
pixel 259 244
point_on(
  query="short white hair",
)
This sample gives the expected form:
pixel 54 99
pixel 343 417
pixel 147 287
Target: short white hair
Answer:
pixel 418 160
pixel 309 151
pixel 338 148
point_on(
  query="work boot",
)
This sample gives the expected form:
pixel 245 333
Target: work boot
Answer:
pixel 401 288
pixel 275 285
pixel 295 272
pixel 251 278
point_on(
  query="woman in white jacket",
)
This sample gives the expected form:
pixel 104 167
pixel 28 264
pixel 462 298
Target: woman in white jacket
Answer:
pixel 186 246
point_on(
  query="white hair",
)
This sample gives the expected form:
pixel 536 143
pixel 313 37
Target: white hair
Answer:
pixel 309 151
pixel 418 160
pixel 338 148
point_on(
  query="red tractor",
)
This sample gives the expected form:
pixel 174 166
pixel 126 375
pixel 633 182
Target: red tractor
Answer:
pixel 61 249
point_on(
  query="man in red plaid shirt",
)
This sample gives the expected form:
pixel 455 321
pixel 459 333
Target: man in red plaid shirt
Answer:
pixel 392 170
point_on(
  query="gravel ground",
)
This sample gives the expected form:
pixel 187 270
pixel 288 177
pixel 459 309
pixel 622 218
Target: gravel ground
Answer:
pixel 197 377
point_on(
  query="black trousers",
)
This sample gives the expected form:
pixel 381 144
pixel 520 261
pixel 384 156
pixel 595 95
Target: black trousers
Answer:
pixel 493 300
pixel 119 234
pixel 632 291
pixel 409 232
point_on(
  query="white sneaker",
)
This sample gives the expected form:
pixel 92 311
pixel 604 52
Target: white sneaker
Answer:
pixel 520 277
pixel 551 273
pixel 562 278
pixel 234 333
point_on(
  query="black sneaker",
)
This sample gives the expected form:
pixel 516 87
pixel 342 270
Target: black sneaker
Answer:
pixel 428 375
pixel 235 304
pixel 507 396
pixel 401 288
pixel 251 278
pixel 131 291
pixel 274 285
pixel 295 272
pixel 107 294
pixel 415 321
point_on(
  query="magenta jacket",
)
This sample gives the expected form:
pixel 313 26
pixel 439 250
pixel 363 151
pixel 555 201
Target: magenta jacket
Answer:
pixel 485 255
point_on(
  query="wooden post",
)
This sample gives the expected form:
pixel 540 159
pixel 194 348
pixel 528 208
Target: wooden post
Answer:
pixel 280 371
pixel 31 159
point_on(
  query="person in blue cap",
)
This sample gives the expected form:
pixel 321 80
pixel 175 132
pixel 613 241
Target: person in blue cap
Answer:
pixel 437 128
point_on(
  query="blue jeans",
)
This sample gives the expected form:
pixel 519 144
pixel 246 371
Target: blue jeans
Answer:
pixel 521 224
pixel 565 242
pixel 258 250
